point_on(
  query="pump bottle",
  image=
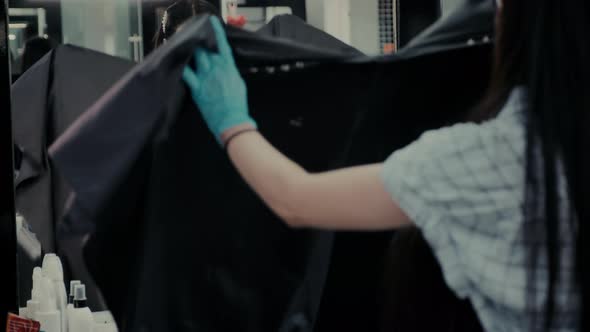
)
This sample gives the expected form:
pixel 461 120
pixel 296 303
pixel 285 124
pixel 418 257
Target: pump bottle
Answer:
pixel 80 318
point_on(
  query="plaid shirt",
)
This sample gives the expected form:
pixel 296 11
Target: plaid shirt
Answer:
pixel 464 186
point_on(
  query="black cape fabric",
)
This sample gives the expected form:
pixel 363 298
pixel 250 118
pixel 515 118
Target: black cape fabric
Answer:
pixel 179 241
pixel 471 23
pixel 47 99
pixel 414 294
pixel 294 28
pixel 413 16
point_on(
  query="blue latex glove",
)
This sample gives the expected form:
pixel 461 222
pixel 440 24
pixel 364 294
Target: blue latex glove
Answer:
pixel 217 87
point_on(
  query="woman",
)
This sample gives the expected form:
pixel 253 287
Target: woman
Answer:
pixel 498 200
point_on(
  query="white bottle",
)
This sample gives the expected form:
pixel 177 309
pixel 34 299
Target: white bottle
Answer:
pixel 50 321
pixel 70 307
pixel 33 305
pixel 52 269
pixel 80 318
pixel 23 312
pixel 37 275
pixel 48 315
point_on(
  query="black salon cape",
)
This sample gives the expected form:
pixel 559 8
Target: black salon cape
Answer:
pixel 472 22
pixel 293 28
pixel 179 241
pixel 46 100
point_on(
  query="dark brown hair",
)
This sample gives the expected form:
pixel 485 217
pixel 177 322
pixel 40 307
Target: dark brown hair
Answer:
pixel 543 45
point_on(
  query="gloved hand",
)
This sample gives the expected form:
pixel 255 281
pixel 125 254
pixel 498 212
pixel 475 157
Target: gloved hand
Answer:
pixel 217 87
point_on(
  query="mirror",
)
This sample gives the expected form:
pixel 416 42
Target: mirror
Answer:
pixel 27 25
pixel 126 29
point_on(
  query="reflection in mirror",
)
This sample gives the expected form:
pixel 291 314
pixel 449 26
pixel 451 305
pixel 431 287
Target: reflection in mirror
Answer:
pixel 110 37
pixel 126 28
pixel 36 23
pixel 28 39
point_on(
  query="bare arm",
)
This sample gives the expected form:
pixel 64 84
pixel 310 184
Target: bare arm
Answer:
pixel 347 199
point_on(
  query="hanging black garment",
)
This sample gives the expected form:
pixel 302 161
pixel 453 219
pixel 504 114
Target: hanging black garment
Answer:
pixel 294 28
pixel 180 243
pixel 472 22
pixel 47 99
pixel 413 16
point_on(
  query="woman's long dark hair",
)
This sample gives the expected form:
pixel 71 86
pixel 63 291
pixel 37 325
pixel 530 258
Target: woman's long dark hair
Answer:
pixel 179 12
pixel 545 46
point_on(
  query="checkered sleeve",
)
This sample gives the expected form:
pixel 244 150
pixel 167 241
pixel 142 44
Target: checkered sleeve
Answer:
pixel 451 183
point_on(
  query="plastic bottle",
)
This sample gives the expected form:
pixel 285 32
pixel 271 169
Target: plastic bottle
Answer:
pixel 48 315
pixel 52 269
pixel 23 312
pixel 70 307
pixel 80 318
pixel 33 305
pixel 37 275
pixel 50 321
pixel 80 296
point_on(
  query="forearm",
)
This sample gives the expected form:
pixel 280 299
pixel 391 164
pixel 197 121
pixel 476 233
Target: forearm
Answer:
pixel 272 175
pixel 346 199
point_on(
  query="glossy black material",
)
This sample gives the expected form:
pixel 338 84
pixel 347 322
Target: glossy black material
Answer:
pixel 414 17
pixel 8 275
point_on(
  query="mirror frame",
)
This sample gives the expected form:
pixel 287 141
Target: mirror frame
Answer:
pixel 8 249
